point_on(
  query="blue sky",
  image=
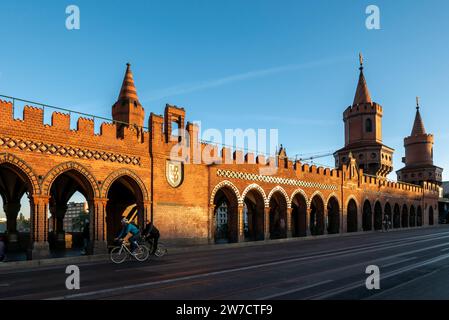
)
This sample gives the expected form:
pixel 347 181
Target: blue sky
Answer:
pixel 291 65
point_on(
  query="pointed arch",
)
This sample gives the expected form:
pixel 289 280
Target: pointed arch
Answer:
pixel 316 193
pixel 68 166
pixel 333 195
pixel 301 192
pixel 14 161
pixel 254 186
pixel 222 184
pixel 352 197
pixel 281 190
pixel 122 173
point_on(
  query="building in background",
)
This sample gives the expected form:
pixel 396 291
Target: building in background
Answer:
pixel 74 217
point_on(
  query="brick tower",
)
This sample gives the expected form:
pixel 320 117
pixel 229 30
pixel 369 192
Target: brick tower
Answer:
pixel 363 133
pixel 419 155
pixel 128 109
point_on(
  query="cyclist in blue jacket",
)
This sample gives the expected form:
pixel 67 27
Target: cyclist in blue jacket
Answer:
pixel 129 233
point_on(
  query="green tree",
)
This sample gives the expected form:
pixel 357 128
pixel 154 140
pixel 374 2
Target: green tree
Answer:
pixel 79 221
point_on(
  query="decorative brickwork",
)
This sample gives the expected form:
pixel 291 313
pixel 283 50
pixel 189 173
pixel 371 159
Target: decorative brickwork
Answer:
pixel 67 151
pixel 272 179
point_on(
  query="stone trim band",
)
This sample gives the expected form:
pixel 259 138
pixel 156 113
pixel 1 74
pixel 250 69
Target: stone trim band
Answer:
pixel 270 179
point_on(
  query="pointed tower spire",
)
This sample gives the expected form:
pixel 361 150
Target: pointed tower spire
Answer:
pixel 362 93
pixel 418 125
pixel 128 109
pixel 128 90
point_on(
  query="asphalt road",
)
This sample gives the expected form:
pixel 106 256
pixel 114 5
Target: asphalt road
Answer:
pixel 413 264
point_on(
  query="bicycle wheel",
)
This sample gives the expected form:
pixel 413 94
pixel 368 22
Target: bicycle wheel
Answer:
pixel 160 251
pixel 118 255
pixel 142 253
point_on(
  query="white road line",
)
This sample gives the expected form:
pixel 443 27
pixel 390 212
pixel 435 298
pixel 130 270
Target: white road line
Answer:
pixel 445 249
pixel 87 263
pixel 377 295
pixel 295 290
pixel 4 284
pixel 269 264
pixel 399 262
pixel 361 283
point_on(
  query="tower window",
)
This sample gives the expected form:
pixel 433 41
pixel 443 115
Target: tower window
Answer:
pixel 368 125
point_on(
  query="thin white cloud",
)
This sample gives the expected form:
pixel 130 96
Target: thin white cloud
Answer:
pixel 199 86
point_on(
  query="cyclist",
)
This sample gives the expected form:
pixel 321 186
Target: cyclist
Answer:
pixel 129 233
pixel 151 232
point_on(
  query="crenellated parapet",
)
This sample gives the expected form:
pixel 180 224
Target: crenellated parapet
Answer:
pixel 363 108
pixel 31 134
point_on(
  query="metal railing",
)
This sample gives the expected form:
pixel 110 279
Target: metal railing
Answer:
pixel 65 110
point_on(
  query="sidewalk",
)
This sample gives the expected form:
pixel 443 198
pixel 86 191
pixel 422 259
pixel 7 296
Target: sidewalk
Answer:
pixel 31 264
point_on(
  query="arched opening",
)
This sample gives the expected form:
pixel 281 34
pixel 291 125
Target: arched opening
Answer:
pixel 419 221
pixel 278 216
pixel 299 216
pixel 333 216
pixel 317 216
pixel 225 216
pixel 368 125
pixel 387 214
pixel 253 213
pixel 404 217
pixel 431 222
pixel 377 216
pixel 71 201
pixel 15 189
pixel 367 217
pixel 396 216
pixel 412 222
pixel 352 216
pixel 125 200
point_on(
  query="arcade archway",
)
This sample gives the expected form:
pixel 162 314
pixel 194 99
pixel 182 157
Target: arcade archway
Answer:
pixel 253 216
pixel 278 216
pixel 299 216
pixel 317 216
pixel 352 216
pixel 412 222
pixel 404 217
pixel 367 217
pixel 125 200
pixel 396 216
pixel 225 216
pixel 377 216
pixel 333 216
pixel 419 217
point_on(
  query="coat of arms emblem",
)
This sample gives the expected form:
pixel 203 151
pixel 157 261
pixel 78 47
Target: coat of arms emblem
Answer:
pixel 174 173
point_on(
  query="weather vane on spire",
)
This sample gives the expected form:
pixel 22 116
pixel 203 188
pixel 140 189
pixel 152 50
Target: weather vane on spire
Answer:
pixel 417 103
pixel 361 60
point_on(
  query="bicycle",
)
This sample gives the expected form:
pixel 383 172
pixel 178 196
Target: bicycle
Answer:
pixel 120 253
pixel 161 249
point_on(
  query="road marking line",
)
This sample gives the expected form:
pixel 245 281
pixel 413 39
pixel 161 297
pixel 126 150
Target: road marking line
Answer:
pixel 269 264
pixel 4 284
pixel 399 262
pixel 376 295
pixel 294 290
pixel 445 249
pixel 361 283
